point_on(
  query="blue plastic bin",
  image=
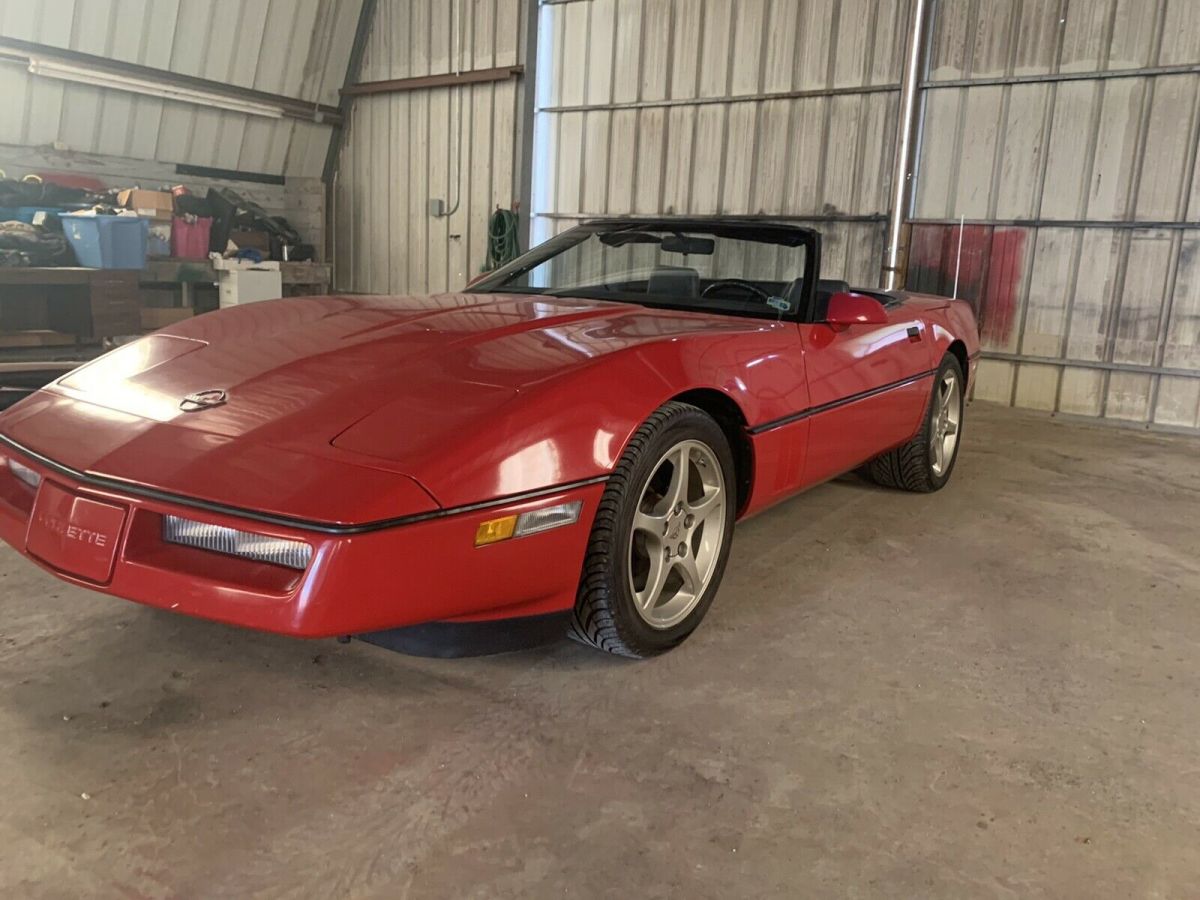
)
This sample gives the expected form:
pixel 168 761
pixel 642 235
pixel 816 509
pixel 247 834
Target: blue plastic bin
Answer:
pixel 108 242
pixel 26 213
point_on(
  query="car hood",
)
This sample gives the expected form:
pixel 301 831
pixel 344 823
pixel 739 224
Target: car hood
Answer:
pixel 317 383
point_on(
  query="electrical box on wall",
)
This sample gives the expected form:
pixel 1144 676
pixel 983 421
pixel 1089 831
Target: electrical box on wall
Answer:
pixel 437 207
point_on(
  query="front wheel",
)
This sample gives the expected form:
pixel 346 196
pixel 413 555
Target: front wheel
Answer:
pixel 924 464
pixel 661 536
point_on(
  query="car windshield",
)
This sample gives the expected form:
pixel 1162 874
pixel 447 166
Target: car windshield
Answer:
pixel 741 271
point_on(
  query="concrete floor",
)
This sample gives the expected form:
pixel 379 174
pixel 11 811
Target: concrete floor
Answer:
pixel 992 691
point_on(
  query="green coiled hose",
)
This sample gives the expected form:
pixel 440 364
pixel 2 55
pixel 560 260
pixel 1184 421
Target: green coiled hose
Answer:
pixel 503 245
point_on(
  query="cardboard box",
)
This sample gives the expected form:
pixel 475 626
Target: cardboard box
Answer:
pixel 154 318
pixel 148 204
pixel 256 240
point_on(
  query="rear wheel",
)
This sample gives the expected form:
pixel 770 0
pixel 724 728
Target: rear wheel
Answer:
pixel 661 536
pixel 924 464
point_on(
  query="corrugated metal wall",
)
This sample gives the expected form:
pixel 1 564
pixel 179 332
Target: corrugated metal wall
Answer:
pixel 716 106
pixel 1066 133
pixel 297 48
pixel 403 149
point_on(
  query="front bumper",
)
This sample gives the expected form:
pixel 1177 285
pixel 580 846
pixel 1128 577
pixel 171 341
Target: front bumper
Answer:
pixel 407 574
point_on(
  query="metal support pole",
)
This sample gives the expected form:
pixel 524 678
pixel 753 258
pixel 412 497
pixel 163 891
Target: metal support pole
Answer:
pixel 533 10
pixel 901 170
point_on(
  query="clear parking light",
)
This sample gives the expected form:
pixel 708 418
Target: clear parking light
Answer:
pixel 536 520
pixel 232 542
pixel 23 473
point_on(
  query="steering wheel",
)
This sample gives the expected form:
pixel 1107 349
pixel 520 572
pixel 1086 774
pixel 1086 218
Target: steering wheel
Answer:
pixel 747 286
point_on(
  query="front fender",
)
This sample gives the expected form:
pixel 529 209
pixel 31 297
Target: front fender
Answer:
pixel 575 425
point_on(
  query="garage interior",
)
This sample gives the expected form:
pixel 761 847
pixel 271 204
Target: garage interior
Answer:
pixel 987 691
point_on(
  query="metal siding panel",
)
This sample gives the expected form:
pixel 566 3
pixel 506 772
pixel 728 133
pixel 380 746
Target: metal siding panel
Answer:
pixel 808 135
pixel 878 140
pixel 1080 392
pixel 627 77
pixel 948 47
pixel 14 114
pixel 708 155
pixel 301 43
pixel 441 39
pixel 336 60
pixel 418 195
pixel 890 22
pixel 1178 402
pixel 1141 301
pixel 601 45
pixel 935 196
pixel 1182 345
pixel 1181 34
pixel 771 166
pixel 569 168
pixel 1021 158
pixel 1084 36
pixel 747 47
pixel 852 46
pixel 572 55
pixel 647 197
pixel 1116 148
pixel 781 46
pixel 996 264
pixel 741 133
pixel 1133 30
pixel 1095 290
pixel 1072 132
pixel 1128 397
pixel 994 381
pixel 841 161
pixel 681 123
pixel 685 39
pixel 715 48
pixel 814 44
pixel 1036 387
pixel 1168 141
pixel 656 48
pixel 504 159
pixel 990 45
pixel 980 125
pixel 595 162
pixel 508 29
pixel 1045 317
pixel 1038 30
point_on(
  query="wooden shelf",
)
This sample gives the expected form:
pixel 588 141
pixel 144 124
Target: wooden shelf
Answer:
pixel 197 271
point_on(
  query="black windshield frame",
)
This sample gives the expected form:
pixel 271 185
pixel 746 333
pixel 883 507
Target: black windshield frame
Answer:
pixel 768 231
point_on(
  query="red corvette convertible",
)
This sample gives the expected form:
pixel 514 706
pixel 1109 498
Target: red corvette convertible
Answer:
pixel 579 430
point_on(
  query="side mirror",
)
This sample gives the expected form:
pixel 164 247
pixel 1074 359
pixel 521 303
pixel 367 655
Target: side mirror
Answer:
pixel 847 308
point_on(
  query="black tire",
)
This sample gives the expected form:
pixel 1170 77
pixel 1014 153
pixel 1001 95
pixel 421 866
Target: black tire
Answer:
pixel 910 466
pixel 606 616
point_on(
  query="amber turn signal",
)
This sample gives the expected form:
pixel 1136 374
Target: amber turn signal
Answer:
pixel 495 530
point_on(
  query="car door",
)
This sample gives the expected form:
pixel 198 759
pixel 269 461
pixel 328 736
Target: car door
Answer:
pixel 868 384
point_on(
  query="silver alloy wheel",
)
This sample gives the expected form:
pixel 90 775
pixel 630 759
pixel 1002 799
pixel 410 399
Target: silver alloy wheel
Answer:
pixel 677 532
pixel 947 414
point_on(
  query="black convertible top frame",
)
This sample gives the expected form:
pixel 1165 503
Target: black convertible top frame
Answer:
pixel 764 229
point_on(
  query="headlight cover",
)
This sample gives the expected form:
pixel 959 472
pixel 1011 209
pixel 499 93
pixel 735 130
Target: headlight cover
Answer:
pixel 232 542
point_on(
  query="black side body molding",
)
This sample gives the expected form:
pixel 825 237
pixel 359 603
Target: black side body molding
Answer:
pixel 834 404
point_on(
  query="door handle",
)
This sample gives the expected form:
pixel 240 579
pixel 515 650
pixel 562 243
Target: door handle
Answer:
pixel 914 334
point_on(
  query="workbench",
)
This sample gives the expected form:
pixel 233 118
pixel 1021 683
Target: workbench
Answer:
pixel 54 306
